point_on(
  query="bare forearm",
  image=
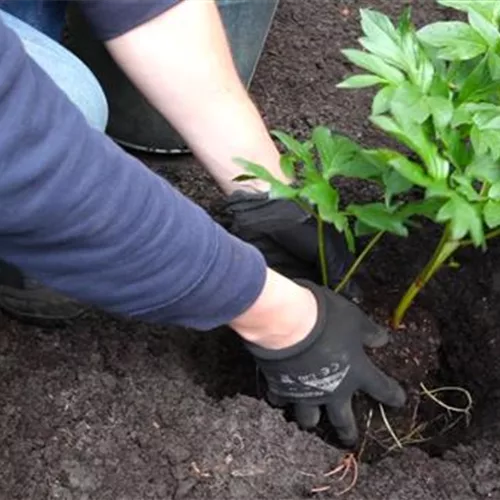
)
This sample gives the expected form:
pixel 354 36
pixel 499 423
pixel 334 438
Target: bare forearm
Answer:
pixel 182 63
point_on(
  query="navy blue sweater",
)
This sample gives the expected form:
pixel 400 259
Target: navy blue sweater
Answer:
pixel 89 220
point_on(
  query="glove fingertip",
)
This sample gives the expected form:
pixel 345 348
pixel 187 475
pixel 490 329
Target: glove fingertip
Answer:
pixel 378 337
pixel 398 398
pixel 307 416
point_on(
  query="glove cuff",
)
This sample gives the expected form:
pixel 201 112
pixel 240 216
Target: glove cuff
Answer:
pixel 301 347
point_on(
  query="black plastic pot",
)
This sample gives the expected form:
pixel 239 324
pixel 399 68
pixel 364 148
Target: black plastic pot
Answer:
pixel 133 122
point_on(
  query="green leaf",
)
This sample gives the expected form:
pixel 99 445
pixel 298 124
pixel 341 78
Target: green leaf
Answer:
pixel 484 141
pixel 410 170
pixel 464 219
pixel 388 125
pixel 484 168
pixel 463 185
pixel 491 213
pixel 441 109
pixel 487 120
pixel 278 188
pixel 494 65
pixel 362 229
pixel 455 39
pixel 382 100
pixel 287 165
pixel 321 194
pixel 301 150
pixel 427 208
pixel 484 28
pixel 494 191
pixel 490 9
pixel 395 184
pixel 379 217
pixel 439 189
pixel 404 22
pixel 381 39
pixel 360 82
pixel 476 80
pixel 409 102
pixel 461 116
pixel 336 152
pixel 374 64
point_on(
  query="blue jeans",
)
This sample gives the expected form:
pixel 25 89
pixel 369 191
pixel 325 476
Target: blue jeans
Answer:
pixel 66 70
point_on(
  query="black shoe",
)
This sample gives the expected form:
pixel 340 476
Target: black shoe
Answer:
pixel 28 300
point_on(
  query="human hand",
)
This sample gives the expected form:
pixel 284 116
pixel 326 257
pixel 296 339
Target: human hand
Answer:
pixel 287 237
pixel 328 366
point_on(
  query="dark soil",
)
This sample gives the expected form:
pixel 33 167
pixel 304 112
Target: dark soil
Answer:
pixel 110 409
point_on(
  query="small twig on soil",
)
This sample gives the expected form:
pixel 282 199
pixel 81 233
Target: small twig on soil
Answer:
pixel 431 394
pixel 365 437
pixel 389 428
pixel 198 472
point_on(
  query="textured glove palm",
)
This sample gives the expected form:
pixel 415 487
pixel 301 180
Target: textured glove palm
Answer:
pixel 329 366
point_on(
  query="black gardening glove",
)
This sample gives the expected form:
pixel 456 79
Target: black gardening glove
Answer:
pixel 287 236
pixel 329 366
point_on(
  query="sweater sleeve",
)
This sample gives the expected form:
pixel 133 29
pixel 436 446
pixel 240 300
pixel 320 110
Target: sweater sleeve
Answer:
pixel 91 221
pixel 111 18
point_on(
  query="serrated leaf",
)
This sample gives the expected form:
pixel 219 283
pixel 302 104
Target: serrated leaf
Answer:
pixel 491 213
pixel 484 28
pixel 464 219
pixel 455 39
pixel 494 191
pixel 360 82
pixel 375 64
pixel 379 217
pixel 441 109
pixel 382 100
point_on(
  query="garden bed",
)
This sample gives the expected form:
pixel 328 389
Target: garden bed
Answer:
pixel 109 409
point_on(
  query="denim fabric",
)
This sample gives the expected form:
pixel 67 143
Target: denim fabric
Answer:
pixel 65 69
